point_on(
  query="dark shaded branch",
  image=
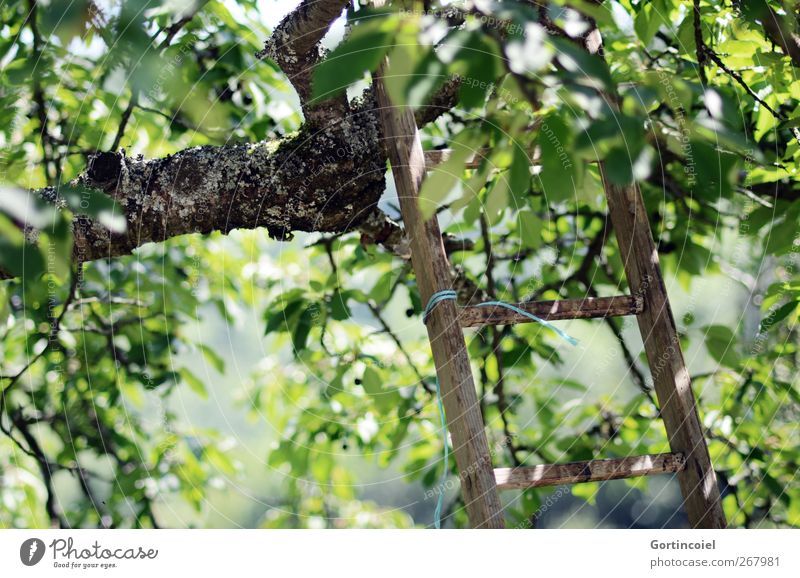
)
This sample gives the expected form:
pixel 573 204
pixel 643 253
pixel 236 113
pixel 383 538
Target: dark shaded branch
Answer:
pixel 496 349
pixel 630 360
pixel 705 53
pixel 440 103
pixel 173 29
pixel 48 147
pixel 699 44
pixel 327 178
pixel 581 274
pixel 88 491
pixel 126 116
pixel 714 57
pixel 780 32
pixel 45 469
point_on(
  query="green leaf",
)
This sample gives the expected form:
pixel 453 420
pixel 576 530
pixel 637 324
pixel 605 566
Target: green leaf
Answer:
pixel 66 21
pixel 619 166
pixel 650 17
pixel 57 238
pixel 558 174
pixel 590 69
pixel 282 319
pixel 472 186
pixel 414 74
pixel 338 306
pixel 715 171
pixel 569 383
pixel 519 177
pixel 475 59
pixel 301 330
pixel 442 179
pixel 721 344
pixel 212 357
pixel 783 234
pixel 373 384
pixel 17 256
pixel 497 199
pixel 775 317
pixel 382 289
pixel 335 385
pixel 219 460
pixel 479 66
pixel 371 381
pixel 360 52
pixel 92 203
pixel 530 229
pixel 194 382
pixel 25 207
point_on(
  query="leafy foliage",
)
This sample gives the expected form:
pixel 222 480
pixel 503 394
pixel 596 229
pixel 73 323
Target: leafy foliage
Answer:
pixel 96 360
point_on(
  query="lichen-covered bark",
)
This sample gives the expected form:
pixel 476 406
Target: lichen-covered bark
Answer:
pixel 326 180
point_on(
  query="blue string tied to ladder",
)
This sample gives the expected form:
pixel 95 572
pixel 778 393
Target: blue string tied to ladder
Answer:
pixel 450 295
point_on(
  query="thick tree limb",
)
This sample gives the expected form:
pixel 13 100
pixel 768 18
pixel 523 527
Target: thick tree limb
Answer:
pixel 318 180
pixel 327 178
pixel 441 102
pixel 295 47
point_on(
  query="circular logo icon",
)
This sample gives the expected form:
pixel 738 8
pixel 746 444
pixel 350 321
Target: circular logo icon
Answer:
pixel 31 552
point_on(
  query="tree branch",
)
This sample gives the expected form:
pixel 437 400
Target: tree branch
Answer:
pixel 780 32
pixel 326 180
pixel 295 47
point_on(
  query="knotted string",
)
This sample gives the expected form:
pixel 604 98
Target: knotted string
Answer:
pixel 450 295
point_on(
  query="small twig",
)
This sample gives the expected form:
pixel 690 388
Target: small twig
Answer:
pixel 126 115
pixel 46 471
pixel 39 99
pixel 376 312
pixel 497 338
pixel 738 78
pixel 594 250
pixel 178 25
pixel 699 45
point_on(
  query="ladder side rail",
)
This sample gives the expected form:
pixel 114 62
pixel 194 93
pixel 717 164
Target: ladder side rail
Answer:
pixel 450 356
pixel 671 379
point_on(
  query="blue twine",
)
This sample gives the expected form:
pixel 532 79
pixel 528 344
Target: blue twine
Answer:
pixel 436 298
pixel 450 295
pixel 515 309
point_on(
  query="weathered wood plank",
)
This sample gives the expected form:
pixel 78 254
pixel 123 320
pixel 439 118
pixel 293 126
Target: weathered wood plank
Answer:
pixel 671 380
pixel 587 308
pixel 447 339
pixel 438 156
pixel 590 471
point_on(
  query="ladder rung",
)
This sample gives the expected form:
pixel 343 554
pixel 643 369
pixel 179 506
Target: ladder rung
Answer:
pixel 586 308
pixel 591 471
pixel 434 158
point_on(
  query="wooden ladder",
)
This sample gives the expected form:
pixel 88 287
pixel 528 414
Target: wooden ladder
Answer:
pixel 648 302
